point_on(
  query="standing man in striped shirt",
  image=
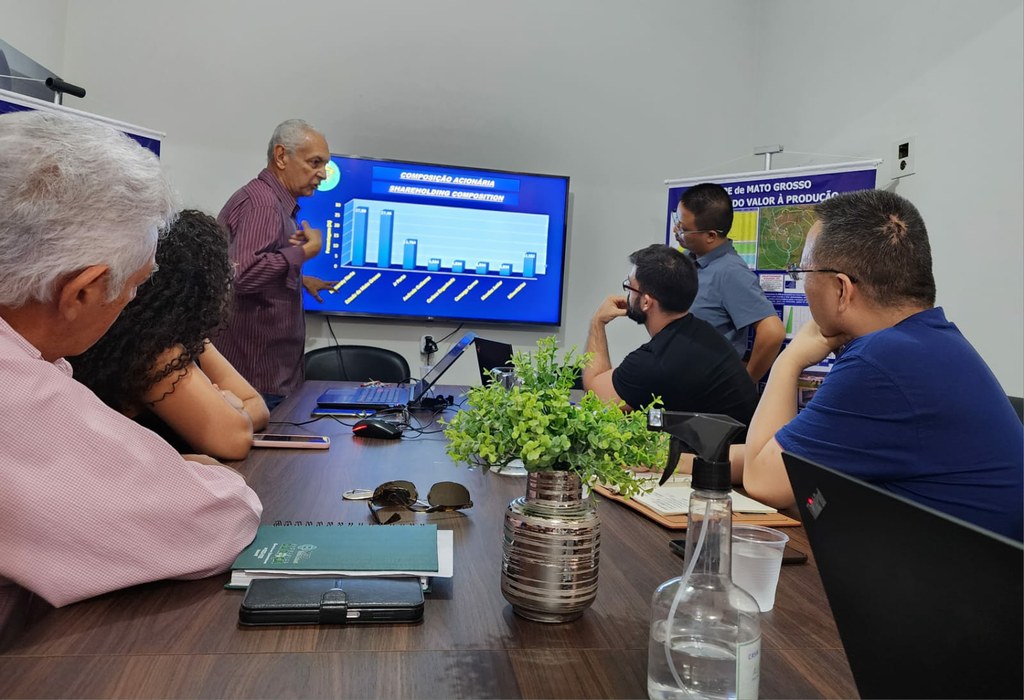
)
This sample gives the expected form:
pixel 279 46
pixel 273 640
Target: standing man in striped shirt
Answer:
pixel 265 337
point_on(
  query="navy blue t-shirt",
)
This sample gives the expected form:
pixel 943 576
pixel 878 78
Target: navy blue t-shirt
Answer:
pixel 692 368
pixel 915 410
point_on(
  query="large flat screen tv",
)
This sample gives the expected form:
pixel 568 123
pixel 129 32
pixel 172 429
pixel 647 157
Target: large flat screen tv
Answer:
pixel 420 240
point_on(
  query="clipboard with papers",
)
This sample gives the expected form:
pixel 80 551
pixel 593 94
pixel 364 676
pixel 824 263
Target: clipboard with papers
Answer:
pixel 668 505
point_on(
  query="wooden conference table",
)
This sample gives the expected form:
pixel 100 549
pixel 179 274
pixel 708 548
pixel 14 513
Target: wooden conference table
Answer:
pixel 180 639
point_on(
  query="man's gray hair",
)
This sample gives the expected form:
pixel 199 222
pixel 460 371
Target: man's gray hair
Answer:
pixel 290 134
pixel 74 193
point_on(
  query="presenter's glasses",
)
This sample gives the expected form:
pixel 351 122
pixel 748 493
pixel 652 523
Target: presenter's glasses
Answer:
pixel 443 496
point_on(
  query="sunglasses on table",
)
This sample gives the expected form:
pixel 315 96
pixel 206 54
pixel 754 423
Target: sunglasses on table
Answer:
pixel 443 496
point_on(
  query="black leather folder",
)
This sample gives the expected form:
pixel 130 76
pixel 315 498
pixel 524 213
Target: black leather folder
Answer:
pixel 332 601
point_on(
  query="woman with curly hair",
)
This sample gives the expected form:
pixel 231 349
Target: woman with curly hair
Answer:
pixel 156 363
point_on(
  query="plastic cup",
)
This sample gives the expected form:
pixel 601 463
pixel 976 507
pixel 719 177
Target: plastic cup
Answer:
pixel 513 468
pixel 757 560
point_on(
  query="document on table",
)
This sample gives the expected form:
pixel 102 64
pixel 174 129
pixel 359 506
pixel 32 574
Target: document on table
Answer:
pixel 674 498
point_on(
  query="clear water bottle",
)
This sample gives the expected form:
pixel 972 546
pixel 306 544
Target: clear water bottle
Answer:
pixel 705 631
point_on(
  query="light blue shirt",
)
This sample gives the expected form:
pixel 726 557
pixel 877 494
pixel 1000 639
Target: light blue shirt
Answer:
pixel 729 296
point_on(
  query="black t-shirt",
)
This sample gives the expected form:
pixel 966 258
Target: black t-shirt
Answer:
pixel 692 368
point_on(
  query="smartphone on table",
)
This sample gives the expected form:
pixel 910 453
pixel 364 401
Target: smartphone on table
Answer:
pixel 306 442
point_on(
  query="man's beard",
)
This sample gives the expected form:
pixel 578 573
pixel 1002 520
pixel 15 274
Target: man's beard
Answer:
pixel 635 314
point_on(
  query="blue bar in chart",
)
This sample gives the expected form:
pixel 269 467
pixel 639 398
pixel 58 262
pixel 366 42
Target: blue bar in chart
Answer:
pixel 372 230
pixel 530 265
pixel 482 267
pixel 506 269
pixel 409 254
pixel 359 236
pixel 387 225
pixel 434 264
pixel 458 266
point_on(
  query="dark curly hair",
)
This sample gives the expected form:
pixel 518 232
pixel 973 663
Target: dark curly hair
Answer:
pixel 182 303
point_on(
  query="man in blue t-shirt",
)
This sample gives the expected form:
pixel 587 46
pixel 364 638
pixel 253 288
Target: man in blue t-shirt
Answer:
pixel 686 363
pixel 909 404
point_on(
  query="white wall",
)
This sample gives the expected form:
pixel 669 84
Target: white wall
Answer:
pixel 852 78
pixel 37 30
pixel 619 96
pixel 592 90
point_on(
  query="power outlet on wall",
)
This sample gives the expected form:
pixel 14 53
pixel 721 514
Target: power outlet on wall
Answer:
pixel 904 152
pixel 428 345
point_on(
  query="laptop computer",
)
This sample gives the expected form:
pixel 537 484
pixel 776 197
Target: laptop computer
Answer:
pixel 927 605
pixel 491 354
pixel 380 398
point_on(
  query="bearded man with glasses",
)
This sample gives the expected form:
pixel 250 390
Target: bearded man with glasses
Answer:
pixel 687 362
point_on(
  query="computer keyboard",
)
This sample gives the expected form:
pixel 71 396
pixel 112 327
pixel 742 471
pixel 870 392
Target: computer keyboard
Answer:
pixel 380 394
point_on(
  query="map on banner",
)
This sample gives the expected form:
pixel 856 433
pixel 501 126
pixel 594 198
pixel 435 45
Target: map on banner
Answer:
pixel 781 234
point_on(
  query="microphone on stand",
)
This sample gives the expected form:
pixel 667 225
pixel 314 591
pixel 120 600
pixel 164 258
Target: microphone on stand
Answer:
pixel 58 86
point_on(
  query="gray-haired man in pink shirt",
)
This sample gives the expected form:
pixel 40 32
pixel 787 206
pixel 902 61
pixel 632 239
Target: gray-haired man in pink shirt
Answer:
pixel 90 501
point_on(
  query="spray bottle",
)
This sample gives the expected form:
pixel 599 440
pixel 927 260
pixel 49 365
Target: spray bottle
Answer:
pixel 705 632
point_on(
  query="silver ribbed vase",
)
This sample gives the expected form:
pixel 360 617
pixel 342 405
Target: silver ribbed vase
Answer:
pixel 551 546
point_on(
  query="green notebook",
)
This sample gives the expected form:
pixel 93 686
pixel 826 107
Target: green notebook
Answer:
pixel 280 551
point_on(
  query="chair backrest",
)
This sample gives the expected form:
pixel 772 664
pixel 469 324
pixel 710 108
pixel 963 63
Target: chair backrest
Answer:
pixel 356 363
pixel 910 583
pixel 1018 405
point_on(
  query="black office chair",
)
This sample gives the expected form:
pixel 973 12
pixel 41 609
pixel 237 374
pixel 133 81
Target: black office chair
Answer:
pixel 1018 405
pixel 356 363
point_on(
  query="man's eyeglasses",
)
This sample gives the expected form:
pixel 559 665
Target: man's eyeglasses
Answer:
pixel 627 288
pixel 443 496
pixel 795 272
pixel 680 233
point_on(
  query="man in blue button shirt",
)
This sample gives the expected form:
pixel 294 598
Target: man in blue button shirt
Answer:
pixel 729 296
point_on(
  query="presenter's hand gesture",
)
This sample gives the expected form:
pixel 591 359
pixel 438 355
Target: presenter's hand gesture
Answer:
pixel 315 285
pixel 311 240
pixel 610 309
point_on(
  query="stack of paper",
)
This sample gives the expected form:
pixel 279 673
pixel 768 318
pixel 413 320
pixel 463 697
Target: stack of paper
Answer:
pixel 674 499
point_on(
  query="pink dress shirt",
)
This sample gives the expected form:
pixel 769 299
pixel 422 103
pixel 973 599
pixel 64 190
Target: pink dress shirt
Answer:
pixel 91 502
pixel 265 336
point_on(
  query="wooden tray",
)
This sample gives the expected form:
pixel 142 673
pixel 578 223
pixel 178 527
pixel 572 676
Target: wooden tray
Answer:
pixel 678 522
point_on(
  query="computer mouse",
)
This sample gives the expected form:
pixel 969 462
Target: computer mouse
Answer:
pixel 377 428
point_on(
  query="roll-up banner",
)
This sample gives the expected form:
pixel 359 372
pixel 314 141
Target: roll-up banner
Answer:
pixel 14 102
